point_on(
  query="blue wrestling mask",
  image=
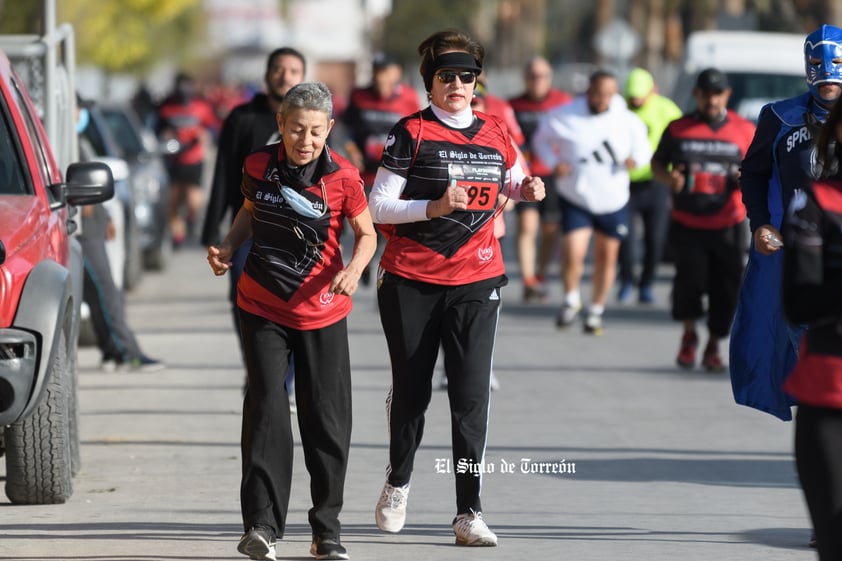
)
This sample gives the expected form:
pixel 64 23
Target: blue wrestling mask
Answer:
pixel 823 59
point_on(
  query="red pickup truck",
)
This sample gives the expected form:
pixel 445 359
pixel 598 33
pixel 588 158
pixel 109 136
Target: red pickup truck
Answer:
pixel 40 295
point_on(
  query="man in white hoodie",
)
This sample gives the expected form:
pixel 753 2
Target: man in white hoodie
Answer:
pixel 591 144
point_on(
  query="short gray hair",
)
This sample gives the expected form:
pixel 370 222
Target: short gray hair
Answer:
pixel 312 96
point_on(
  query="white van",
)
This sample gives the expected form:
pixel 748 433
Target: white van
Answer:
pixel 761 67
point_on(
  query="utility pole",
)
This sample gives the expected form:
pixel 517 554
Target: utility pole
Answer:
pixel 833 12
pixel 649 18
pixel 604 12
pixel 521 31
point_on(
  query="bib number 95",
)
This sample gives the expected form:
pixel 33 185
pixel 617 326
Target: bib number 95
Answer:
pixel 481 196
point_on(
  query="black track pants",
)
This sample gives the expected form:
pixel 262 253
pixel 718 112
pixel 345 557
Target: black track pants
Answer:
pixel 417 318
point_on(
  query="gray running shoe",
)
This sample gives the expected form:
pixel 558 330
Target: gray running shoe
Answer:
pixel 390 513
pixel 471 530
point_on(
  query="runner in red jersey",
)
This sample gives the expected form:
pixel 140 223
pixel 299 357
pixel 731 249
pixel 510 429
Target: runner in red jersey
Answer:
pixel 248 127
pixel 698 157
pixel 538 99
pixel 294 297
pixel 502 109
pixel 435 195
pixel 812 275
pixel 372 112
pixel 191 120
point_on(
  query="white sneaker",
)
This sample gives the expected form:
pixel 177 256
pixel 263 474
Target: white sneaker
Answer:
pixel 109 365
pixel 390 513
pixel 568 314
pixel 593 324
pixel 470 530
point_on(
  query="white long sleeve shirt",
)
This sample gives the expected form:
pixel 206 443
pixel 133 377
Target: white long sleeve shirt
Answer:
pixel 596 146
pixel 385 201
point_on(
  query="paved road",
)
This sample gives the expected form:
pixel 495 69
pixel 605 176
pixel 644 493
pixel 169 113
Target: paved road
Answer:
pixel 667 467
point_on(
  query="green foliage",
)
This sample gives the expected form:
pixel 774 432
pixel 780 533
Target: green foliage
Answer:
pixel 17 18
pixel 132 35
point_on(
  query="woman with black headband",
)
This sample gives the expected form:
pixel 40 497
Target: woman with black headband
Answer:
pixel 294 297
pixel 435 198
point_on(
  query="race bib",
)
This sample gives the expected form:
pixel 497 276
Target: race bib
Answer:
pixel 707 184
pixel 480 182
pixel 710 178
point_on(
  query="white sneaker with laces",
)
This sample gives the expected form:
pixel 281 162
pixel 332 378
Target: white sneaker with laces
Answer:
pixel 390 513
pixel 471 530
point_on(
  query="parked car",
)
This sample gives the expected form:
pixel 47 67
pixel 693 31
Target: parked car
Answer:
pixel 98 135
pixel 115 248
pixel 40 297
pixel 761 67
pixel 149 181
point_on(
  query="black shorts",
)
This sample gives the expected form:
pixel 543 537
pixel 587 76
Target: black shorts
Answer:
pixel 186 173
pixel 707 262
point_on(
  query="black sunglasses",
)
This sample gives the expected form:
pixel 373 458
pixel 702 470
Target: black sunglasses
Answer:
pixel 448 77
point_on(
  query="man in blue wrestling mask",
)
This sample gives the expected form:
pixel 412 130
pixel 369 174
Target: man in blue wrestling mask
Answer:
pixel 764 346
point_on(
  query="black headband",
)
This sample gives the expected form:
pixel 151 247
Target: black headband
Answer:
pixel 456 60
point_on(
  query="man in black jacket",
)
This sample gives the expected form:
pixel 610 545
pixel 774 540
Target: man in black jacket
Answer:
pixel 248 127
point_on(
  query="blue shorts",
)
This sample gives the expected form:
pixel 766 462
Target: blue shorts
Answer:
pixel 613 224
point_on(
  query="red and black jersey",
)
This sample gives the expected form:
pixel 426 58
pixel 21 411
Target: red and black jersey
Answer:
pixel 711 156
pixel 294 258
pixel 369 119
pixel 188 121
pixel 459 248
pixel 529 112
pixel 501 108
pixel 812 277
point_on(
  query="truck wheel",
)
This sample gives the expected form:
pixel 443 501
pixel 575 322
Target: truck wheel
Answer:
pixel 38 459
pixel 73 417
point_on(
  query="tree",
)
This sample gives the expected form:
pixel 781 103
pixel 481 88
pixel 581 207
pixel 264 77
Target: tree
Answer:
pixel 18 18
pixel 133 35
pixel 411 22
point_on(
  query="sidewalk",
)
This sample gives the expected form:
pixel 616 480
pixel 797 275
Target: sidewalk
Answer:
pixel 667 467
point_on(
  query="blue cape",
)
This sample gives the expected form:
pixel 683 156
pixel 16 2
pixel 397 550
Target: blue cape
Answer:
pixel 764 346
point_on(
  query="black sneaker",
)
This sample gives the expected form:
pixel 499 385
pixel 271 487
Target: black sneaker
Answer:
pixel 327 548
pixel 258 543
pixel 145 364
pixel 534 293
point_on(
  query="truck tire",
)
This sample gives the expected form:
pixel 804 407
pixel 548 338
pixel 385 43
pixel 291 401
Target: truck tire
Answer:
pixel 73 417
pixel 38 458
